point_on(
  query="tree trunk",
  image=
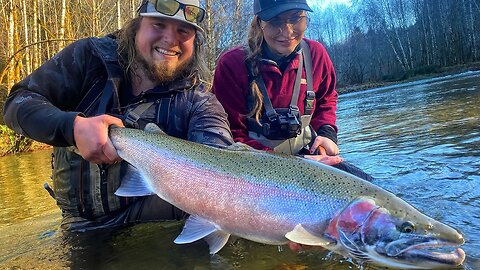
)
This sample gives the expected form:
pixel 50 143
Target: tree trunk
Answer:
pixel 36 56
pixel 472 31
pixel 61 34
pixel 47 50
pixel 119 15
pixel 401 55
pixel 10 45
pixel 28 67
pixel 95 24
pixel 235 24
pixel 433 39
pixel 209 35
pixel 134 3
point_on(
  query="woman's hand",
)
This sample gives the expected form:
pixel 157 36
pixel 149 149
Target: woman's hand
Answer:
pixel 92 141
pixel 325 159
pixel 328 145
pixel 319 147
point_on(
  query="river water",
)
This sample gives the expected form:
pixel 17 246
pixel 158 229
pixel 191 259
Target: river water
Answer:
pixel 419 140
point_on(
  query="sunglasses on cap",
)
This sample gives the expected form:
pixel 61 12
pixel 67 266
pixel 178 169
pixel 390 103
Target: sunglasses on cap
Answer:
pixel 191 13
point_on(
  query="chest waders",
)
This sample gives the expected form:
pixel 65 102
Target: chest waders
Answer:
pixel 85 190
pixel 292 131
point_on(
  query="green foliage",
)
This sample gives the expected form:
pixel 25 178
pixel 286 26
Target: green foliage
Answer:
pixel 11 142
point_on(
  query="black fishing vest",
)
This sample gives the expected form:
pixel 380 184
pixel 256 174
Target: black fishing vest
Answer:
pixel 283 129
pixel 282 123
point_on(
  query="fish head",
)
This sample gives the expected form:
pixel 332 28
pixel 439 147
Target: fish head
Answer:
pixel 396 235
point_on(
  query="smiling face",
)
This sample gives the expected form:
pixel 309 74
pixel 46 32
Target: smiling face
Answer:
pixel 164 48
pixel 284 32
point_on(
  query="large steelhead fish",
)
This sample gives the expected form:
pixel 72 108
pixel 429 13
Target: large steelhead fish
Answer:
pixel 272 199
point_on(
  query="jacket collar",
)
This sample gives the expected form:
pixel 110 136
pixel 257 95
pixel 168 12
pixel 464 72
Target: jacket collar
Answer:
pixel 280 61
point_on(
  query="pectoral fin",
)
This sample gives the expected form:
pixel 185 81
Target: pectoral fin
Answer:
pixel 133 184
pixel 217 241
pixel 197 228
pixel 153 128
pixel 301 236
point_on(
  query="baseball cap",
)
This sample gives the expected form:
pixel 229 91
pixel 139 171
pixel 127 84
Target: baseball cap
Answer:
pixel 267 9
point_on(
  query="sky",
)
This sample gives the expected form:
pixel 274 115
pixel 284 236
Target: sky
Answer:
pixel 325 3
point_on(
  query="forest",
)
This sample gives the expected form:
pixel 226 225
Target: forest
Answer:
pixel 368 40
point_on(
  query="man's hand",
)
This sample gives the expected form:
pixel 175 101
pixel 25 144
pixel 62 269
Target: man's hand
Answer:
pixel 92 141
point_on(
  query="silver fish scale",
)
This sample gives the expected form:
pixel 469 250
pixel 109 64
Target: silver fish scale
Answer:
pixel 259 167
pixel 284 173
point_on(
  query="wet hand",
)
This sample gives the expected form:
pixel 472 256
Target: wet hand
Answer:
pixel 329 147
pixel 92 141
pixel 325 159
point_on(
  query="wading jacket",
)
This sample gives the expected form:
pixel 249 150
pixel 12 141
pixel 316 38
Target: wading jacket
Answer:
pixel 232 87
pixel 85 78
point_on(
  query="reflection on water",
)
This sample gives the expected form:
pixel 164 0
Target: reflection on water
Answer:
pixel 422 142
pixel 21 187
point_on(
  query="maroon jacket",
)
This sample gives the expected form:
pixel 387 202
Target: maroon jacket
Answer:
pixel 231 86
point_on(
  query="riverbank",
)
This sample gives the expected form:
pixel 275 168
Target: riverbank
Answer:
pixel 6 146
pixel 444 71
pixel 5 137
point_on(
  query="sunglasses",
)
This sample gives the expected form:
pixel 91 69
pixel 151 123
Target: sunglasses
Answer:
pixel 298 23
pixel 296 20
pixel 191 13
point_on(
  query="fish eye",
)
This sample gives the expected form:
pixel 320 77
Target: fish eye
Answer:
pixel 408 227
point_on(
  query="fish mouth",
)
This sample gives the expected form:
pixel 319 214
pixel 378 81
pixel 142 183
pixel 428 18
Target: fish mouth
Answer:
pixel 454 258
pixel 431 254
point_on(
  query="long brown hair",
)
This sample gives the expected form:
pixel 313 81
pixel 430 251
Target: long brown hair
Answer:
pixel 254 54
pixel 127 53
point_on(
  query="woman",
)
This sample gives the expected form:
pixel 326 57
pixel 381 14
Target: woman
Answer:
pixel 276 50
pixel 272 59
pixel 279 90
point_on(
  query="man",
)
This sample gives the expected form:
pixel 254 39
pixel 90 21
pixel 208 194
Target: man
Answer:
pixel 150 71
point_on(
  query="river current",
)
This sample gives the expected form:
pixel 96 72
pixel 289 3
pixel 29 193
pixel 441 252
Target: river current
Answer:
pixel 420 140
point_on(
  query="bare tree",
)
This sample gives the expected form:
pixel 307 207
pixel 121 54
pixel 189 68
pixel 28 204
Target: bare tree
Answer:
pixel 63 20
pixel 26 36
pixel 35 39
pixel 209 34
pixel 11 44
pixel 367 41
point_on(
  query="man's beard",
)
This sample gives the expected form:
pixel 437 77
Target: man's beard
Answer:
pixel 160 72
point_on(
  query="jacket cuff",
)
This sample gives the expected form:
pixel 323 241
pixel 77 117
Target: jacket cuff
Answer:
pixel 328 132
pixel 69 119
